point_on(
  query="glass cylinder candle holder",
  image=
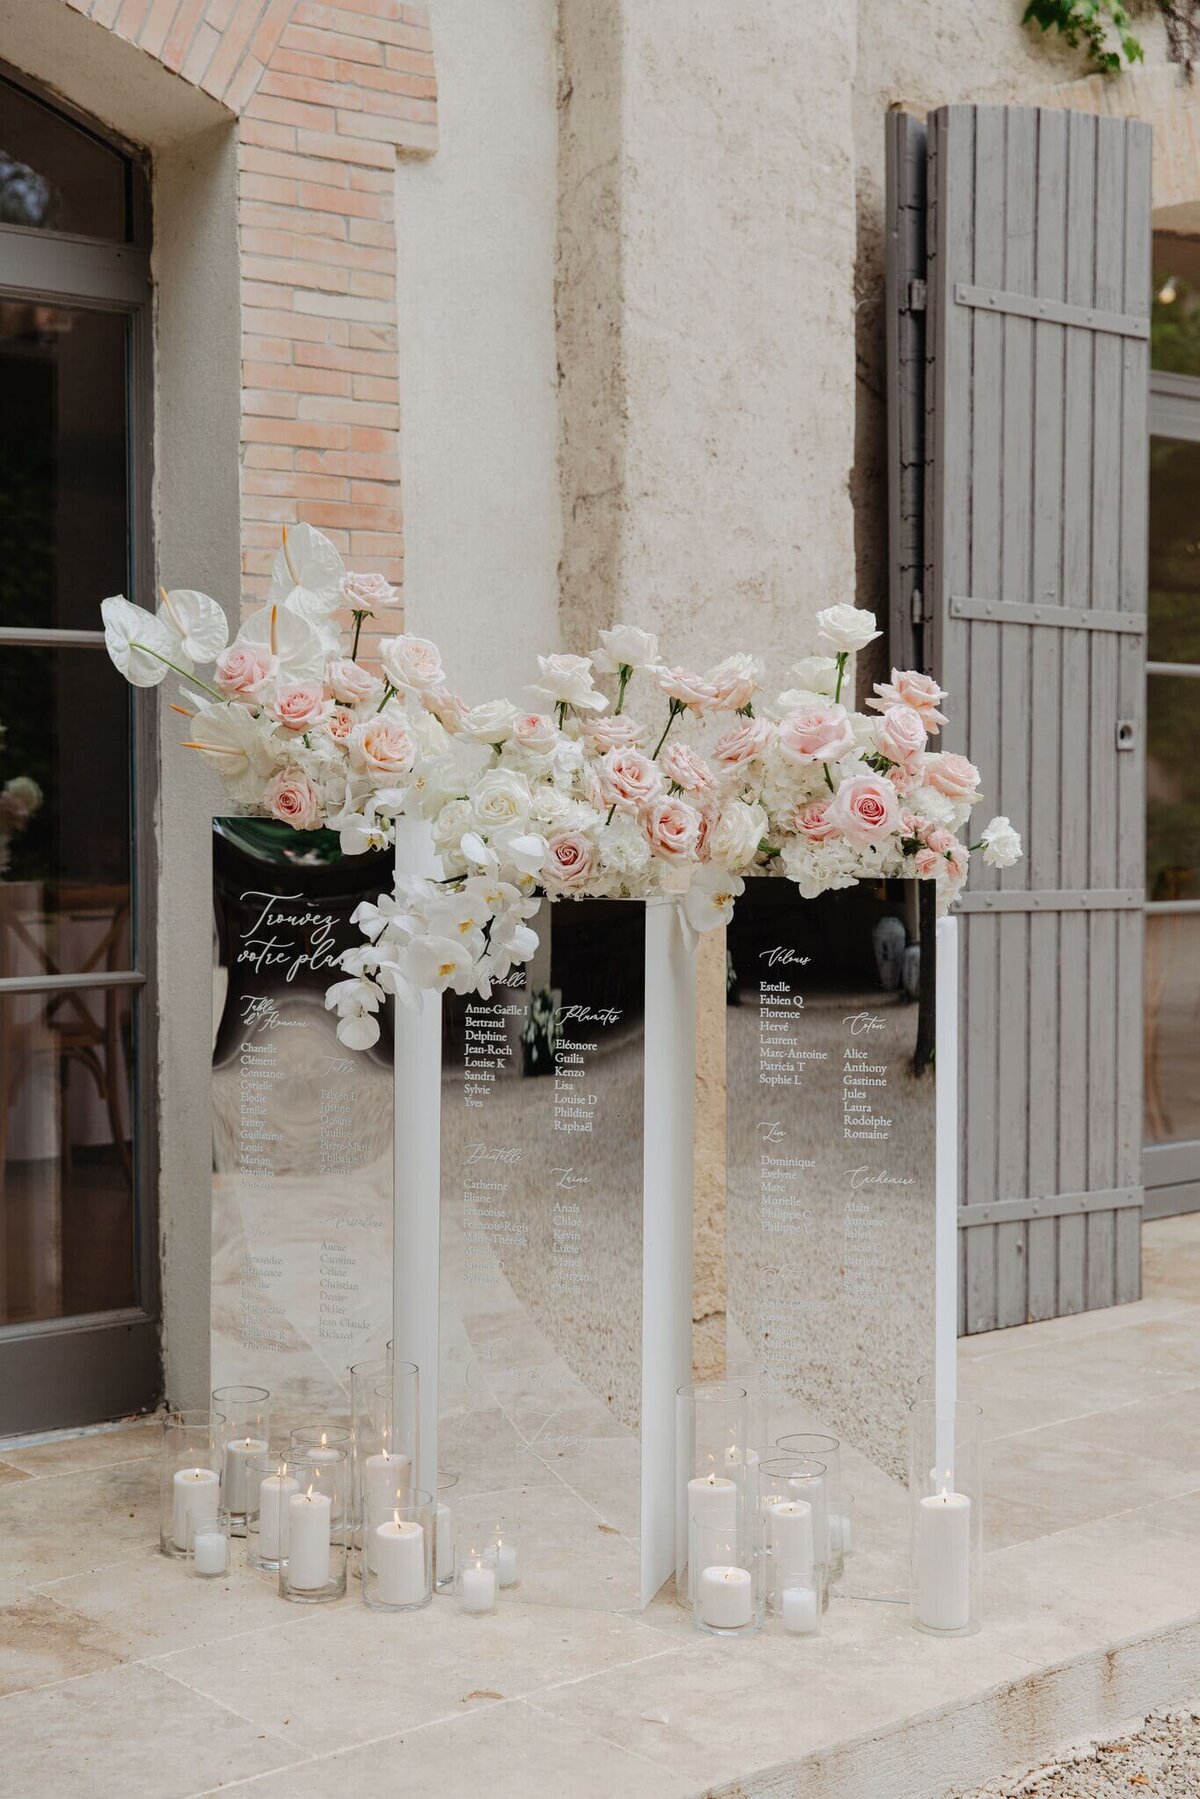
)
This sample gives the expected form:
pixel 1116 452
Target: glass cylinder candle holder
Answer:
pixel 727 1597
pixel 386 1431
pixel 364 1378
pixel 246 1432
pixel 798 1596
pixel 208 1545
pixel 189 1475
pixel 398 1550
pixel 945 1484
pixel 712 1462
pixel 475 1578
pixel 271 1486
pixel 503 1543
pixel 794 1507
pixel 313 1571
pixel 816 1446
pixel 443 1573
pixel 841 1524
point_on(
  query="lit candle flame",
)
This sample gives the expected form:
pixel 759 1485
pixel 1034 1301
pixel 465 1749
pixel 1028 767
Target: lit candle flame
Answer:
pixel 309 1494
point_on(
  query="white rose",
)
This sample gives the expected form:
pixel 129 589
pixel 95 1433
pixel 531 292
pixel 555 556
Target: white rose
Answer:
pixel 412 663
pixel 736 680
pixel 1001 844
pixel 567 681
pixel 501 799
pixel 351 683
pixel 490 723
pixel 625 647
pixel 847 628
pixel 740 830
pixel 451 823
pixel 815 674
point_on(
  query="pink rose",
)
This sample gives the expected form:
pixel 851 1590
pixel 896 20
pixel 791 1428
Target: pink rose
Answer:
pixel 688 770
pixel 365 592
pixel 244 669
pixel 743 742
pixel 412 663
pixel 382 747
pixel 616 733
pixel 735 681
pixel 864 809
pixel 302 707
pixel 908 688
pixel 811 821
pixel 672 829
pixel 443 705
pixel 820 732
pixel 339 724
pixel 900 734
pixel 689 689
pixel 939 839
pixel 629 779
pixel 948 858
pixel 571 862
pixel 351 683
pixel 952 775
pixel 291 798
pixel 536 731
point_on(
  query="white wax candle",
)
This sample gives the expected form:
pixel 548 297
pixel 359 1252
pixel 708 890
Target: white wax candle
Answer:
pixel 478 1588
pixel 210 1551
pixel 944 1562
pixel 443 1538
pixel 840 1532
pixel 712 1509
pixel 236 1490
pixel 725 1597
pixel 309 1518
pixel 503 1558
pixel 399 1562
pixel 799 1608
pixel 273 1494
pixel 383 1477
pixel 195 1494
pixel 790 1534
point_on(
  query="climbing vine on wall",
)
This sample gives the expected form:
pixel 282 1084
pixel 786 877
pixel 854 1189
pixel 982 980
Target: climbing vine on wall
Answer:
pixel 1103 29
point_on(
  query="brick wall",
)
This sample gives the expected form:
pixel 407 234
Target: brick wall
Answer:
pixel 325 97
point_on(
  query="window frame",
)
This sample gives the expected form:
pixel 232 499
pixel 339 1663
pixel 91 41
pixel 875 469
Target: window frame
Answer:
pixel 79 1369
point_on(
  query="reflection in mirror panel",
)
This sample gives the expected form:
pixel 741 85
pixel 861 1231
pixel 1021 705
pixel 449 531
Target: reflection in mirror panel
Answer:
pixel 302 1127
pixel 541 1330
pixel 830 1156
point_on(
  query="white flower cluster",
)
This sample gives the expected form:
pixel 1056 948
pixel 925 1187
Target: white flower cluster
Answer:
pixel 20 798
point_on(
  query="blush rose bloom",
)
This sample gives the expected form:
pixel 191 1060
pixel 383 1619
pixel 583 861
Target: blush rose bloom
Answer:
pixel 743 742
pixel 291 798
pixel 339 724
pixel 812 821
pixel 302 707
pixel 382 748
pixel 243 670
pixel 689 689
pixel 900 734
pixel 672 829
pixel 351 683
pixel 819 733
pixel 571 861
pixel 688 770
pixel 629 779
pixel 443 705
pixel 535 731
pixel 908 688
pixel 735 681
pixel 616 733
pixel 412 663
pixel 368 591
pixel 864 809
pixel 952 775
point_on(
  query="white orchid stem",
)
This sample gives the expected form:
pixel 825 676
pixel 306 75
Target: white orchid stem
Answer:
pixel 179 671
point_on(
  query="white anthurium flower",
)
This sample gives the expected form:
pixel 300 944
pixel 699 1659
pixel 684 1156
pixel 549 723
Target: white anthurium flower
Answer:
pixel 710 897
pixel 197 622
pixel 307 574
pixel 846 629
pixel 239 745
pixel 138 644
pixel 1001 844
pixel 294 642
pixel 625 646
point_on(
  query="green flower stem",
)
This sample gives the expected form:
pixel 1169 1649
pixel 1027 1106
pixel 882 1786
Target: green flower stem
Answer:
pixel 828 778
pixel 388 692
pixel 768 849
pixel 625 671
pixel 677 706
pixel 843 656
pixel 561 709
pixel 358 625
pixel 179 671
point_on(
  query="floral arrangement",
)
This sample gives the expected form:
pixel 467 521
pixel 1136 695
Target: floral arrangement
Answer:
pixel 708 780
pixel 20 798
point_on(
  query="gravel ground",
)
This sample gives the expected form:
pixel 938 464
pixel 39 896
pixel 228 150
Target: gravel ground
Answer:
pixel 1160 1759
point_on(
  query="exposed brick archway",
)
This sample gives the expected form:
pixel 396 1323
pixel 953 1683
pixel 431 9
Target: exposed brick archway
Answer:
pixel 325 96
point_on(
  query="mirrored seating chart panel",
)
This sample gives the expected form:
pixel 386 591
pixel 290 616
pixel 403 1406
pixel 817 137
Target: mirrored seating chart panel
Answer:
pixel 831 1157
pixel 541 1285
pixel 302 1127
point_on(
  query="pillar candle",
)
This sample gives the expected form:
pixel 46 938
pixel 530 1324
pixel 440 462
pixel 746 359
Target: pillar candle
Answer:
pixel 443 1537
pixel 712 1511
pixel 944 1561
pixel 790 1534
pixel 399 1562
pixel 236 1491
pixel 273 1494
pixel 195 1494
pixel 503 1558
pixel 478 1587
pixel 800 1610
pixel 210 1550
pixel 383 1477
pixel 725 1597
pixel 309 1518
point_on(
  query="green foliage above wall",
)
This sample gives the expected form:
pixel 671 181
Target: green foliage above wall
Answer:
pixel 1103 30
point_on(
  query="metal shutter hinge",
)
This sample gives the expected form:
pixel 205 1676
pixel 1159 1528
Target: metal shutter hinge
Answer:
pixel 916 296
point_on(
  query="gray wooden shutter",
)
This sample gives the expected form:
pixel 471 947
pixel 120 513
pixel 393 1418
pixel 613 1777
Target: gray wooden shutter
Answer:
pixel 1035 479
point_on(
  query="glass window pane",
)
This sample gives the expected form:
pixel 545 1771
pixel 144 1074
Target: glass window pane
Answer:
pixel 1172 1027
pixel 1175 311
pixel 54 175
pixel 67 1222
pixel 64 497
pixel 64 813
pixel 1174 600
